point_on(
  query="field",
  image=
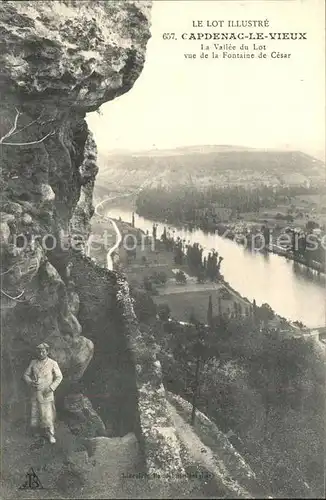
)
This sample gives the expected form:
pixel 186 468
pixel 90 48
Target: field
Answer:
pixel 157 260
pixel 302 208
pixel 183 299
pixel 182 305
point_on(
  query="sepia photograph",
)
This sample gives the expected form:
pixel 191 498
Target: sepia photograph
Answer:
pixel 163 249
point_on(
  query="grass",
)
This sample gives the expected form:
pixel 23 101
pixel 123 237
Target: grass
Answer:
pixel 183 304
pixel 157 259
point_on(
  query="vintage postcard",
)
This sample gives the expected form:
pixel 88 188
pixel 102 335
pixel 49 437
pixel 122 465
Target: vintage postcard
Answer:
pixel 163 243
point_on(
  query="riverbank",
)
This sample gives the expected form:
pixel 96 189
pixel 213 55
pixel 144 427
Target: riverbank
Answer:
pixel 254 275
pixel 228 231
pixel 151 256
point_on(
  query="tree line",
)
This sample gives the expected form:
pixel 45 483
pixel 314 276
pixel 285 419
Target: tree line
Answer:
pixel 182 204
pixel 192 256
pixel 193 206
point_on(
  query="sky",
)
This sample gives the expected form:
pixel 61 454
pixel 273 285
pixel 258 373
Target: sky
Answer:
pixel 263 103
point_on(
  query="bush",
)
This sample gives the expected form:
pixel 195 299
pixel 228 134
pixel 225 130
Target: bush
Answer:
pixel 164 311
pixel 265 312
pixel 144 306
pixel 269 390
pixel 162 277
pixel 148 285
pixel 311 224
pixel 201 277
pixel 159 278
pixel 180 277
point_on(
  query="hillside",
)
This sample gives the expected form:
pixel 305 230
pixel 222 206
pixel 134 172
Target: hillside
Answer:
pixel 202 165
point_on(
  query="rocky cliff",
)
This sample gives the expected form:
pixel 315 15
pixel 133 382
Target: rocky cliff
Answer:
pixel 58 61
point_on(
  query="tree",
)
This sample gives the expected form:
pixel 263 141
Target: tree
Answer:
pixel 219 302
pixel 201 276
pixel 254 309
pixel 159 278
pixel 148 285
pixel 131 252
pixel 144 306
pixel 265 313
pixel 154 231
pixel 162 277
pixel 164 236
pixel 192 317
pixel 210 312
pixel 311 224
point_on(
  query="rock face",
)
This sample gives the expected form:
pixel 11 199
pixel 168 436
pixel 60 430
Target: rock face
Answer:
pixel 71 55
pixel 84 209
pixel 58 61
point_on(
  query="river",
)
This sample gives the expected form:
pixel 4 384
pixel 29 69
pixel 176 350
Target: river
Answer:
pixel 292 290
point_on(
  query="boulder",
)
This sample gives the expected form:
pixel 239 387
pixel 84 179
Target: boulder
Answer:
pixel 5 217
pixel 81 418
pixel 4 233
pixel 27 219
pixel 72 354
pixel 80 56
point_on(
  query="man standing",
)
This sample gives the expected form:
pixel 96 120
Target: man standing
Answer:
pixel 43 375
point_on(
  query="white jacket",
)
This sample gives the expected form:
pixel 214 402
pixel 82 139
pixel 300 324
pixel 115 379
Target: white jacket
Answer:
pixel 48 376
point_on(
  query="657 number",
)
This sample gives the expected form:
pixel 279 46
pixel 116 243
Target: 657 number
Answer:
pixel 169 36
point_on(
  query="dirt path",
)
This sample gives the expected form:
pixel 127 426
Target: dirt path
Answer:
pixel 170 289
pixel 201 454
pixel 116 229
pixel 19 454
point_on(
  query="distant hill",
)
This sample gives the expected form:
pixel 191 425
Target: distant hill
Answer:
pixel 204 165
pixel 184 150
